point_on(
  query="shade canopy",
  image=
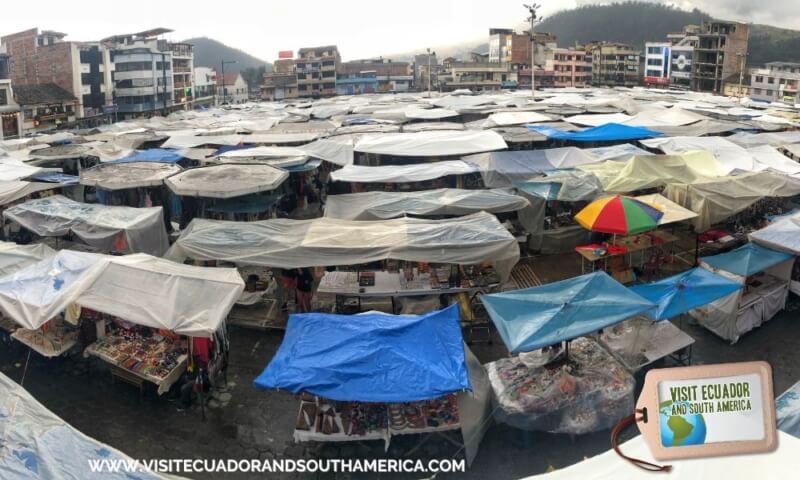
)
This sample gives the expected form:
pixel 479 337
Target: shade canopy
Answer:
pixel 142 289
pixel 402 173
pixel 13 190
pixel 284 243
pixel 683 292
pixel 542 316
pixel 107 228
pixel 619 215
pixel 159 155
pixel 442 201
pixel 226 181
pixel 274 156
pixel 119 176
pixel 431 144
pixel 15 257
pixel 747 260
pixel 783 234
pixel 372 357
pixel 672 211
pixel 603 133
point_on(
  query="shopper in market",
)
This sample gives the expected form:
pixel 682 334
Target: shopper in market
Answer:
pixel 289 283
pixel 305 283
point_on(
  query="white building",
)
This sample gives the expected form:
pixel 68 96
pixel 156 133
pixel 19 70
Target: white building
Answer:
pixel 777 82
pixel 657 63
pixel 205 83
pixel 232 89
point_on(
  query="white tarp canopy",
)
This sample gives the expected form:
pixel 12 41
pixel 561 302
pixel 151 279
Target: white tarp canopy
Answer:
pixel 119 176
pixel 142 289
pixel 782 234
pixel 730 155
pixel 443 201
pixel 672 211
pixel 768 157
pixel 283 243
pixel 780 464
pixel 227 180
pixel 337 150
pixel 717 199
pixel 419 172
pixel 14 257
pixel 429 113
pixel 13 169
pixel 597 119
pixel 37 444
pixel 776 139
pixel 505 119
pixel 622 151
pixel 13 190
pixel 499 169
pixel 189 141
pixel 274 156
pixel 132 230
pixel 431 144
pixel 281 138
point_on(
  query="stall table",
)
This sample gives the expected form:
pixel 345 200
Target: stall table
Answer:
pixel 51 343
pixel 640 342
pixel 124 355
pixel 589 258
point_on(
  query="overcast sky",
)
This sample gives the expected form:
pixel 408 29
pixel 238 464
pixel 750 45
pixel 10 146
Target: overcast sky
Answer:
pixel 360 28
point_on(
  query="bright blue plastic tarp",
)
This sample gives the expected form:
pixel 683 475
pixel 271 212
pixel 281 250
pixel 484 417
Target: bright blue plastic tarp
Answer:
pixel 372 357
pixel 310 165
pixel 747 260
pixel 787 410
pixel 162 155
pixel 56 177
pixel 603 133
pixel 542 316
pixel 683 292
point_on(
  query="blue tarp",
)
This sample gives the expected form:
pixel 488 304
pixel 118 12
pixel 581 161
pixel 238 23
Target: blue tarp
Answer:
pixel 787 410
pixel 683 292
pixel 56 177
pixel 747 260
pixel 230 148
pixel 162 155
pixel 310 165
pixel 542 316
pixel 372 357
pixel 603 133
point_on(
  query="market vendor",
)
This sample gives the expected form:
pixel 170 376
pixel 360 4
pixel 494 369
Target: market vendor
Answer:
pixel 305 283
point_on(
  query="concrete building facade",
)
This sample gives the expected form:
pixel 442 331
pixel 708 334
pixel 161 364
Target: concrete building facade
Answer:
pixel 232 89
pixel 776 82
pixel 478 76
pixel 205 85
pixel 389 76
pixel 720 54
pixel 10 121
pixel 316 69
pixel 657 63
pixel 614 64
pixel 571 67
pixel 279 86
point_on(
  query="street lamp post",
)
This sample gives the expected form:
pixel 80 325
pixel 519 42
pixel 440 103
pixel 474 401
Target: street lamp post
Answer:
pixel 222 64
pixel 532 10
pixel 742 57
pixel 429 72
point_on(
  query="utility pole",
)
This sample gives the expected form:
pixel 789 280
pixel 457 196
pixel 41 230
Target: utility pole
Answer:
pixel 533 19
pixel 222 64
pixel 429 72
pixel 742 57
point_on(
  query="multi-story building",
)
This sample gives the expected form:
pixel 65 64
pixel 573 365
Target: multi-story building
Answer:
pixel 232 89
pixel 45 106
pixel 657 63
pixel 390 76
pixel 81 68
pixel 143 79
pixel 205 85
pixel 720 54
pixel 776 82
pixel 682 45
pixel 356 82
pixel 279 86
pixel 571 67
pixel 421 73
pixel 182 73
pixel 283 65
pixel 10 124
pixel 508 47
pixel 316 69
pixel 614 64
pixel 478 76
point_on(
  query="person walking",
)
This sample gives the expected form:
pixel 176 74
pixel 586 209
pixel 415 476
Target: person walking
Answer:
pixel 305 283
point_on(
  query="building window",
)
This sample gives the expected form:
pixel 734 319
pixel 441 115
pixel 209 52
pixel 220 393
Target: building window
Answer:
pixel 757 91
pixel 655 50
pixel 759 79
pixel 3 97
pixel 656 62
pixel 771 80
pixel 133 66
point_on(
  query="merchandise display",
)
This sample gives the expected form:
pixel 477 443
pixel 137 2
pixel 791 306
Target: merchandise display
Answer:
pixel 638 342
pixel 577 391
pixel 53 339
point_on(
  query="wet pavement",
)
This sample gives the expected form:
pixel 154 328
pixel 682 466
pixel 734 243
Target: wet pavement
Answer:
pixel 244 423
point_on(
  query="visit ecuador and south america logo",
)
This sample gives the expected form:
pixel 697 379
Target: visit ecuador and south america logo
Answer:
pixel 681 420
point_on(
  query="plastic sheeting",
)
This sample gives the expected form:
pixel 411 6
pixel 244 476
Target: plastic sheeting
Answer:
pixel 274 156
pixel 119 176
pixel 538 317
pixel 13 190
pixel 649 171
pixel 701 128
pixel 747 260
pixel 15 257
pixel 37 444
pixel 337 150
pixel 715 200
pixel 506 119
pixel 163 155
pixel 787 410
pixel 226 180
pixel 373 357
pixel 500 169
pixel 11 170
pixel 563 185
pixel 402 173
pixel 616 152
pixel 443 201
pixel 769 158
pixel 604 133
pixel 683 292
pixel 283 243
pixel 431 144
pixel 783 235
pixel 731 156
pixel 672 211
pixel 595 120
pixel 141 289
pixel 775 139
pixel 107 228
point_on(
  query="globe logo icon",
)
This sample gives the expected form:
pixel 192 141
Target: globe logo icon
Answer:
pixel 680 430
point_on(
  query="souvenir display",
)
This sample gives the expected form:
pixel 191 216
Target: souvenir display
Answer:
pixel 53 339
pixel 141 351
pixel 579 391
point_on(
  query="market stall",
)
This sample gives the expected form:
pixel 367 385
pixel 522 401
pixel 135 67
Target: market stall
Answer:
pixel 783 234
pixel 107 228
pixel 576 389
pixel 396 375
pixel 787 410
pixel 765 276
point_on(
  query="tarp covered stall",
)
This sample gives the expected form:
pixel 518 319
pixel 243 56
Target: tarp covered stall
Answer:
pixel 38 444
pixel 500 169
pixel 538 317
pixel 402 173
pixel 650 171
pixel 443 201
pixel 616 152
pixel 787 410
pixel 11 169
pixel 610 132
pixel 119 176
pixel 775 139
pixel 782 235
pixel 13 190
pixel 431 144
pixel 124 229
pixel 673 212
pixel 731 156
pixel 717 199
pixel 15 257
pixel 159 155
pixel 337 150
pixel 765 275
pixel 681 293
pixel 769 158
pixel 274 156
pixel 226 180
pixel 506 119
pixel 283 243
pixel 139 288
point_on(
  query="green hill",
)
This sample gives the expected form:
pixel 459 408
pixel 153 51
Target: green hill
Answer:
pixel 208 53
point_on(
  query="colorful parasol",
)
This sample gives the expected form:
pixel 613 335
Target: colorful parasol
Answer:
pixel 619 215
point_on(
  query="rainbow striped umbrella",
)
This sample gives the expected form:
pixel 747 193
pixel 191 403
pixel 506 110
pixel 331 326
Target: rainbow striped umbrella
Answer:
pixel 619 215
